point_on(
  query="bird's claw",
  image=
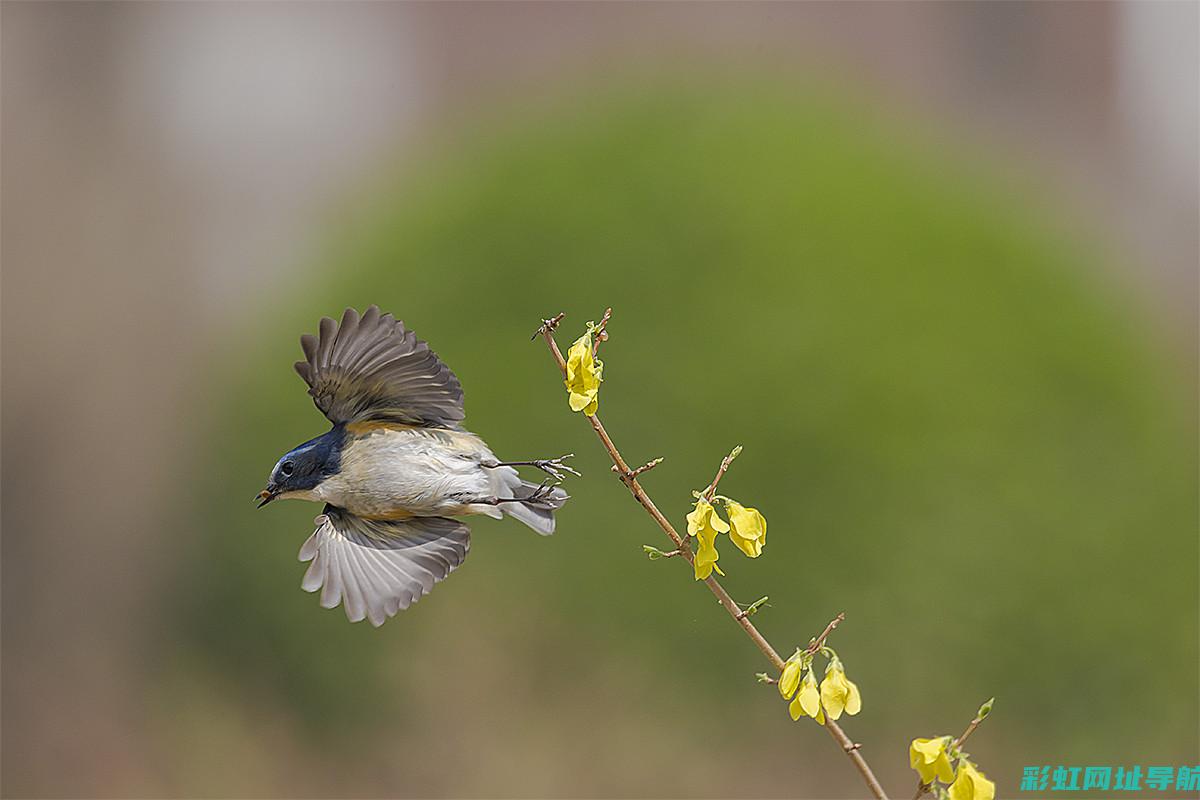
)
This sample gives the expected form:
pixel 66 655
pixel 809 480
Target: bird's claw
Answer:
pixel 556 468
pixel 543 492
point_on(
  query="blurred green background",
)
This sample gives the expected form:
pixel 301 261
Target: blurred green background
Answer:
pixel 972 452
pixel 970 424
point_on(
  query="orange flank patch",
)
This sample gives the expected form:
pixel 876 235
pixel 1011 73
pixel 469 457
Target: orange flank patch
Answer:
pixel 370 426
pixel 457 440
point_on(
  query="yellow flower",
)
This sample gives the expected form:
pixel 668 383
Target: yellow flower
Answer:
pixel 808 700
pixel 971 784
pixel 928 757
pixel 704 516
pixel 838 693
pixel 584 374
pixel 749 528
pixel 704 524
pixel 789 679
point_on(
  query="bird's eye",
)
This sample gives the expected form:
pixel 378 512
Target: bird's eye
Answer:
pixel 286 468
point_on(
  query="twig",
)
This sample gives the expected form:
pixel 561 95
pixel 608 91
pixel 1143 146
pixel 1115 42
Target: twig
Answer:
pixel 649 465
pixel 639 494
pixel 548 325
pixel 654 553
pixel 958 743
pixel 816 643
pixel 725 462
pixel 601 332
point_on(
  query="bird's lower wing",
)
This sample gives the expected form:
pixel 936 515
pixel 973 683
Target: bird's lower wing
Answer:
pixel 376 568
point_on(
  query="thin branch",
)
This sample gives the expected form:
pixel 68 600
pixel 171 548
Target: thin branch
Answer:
pixel 649 465
pixel 725 462
pixel 601 332
pixel 970 729
pixel 548 325
pixel 816 643
pixel 654 553
pixel 630 480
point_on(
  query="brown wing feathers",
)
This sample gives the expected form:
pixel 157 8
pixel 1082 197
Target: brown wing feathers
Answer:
pixel 373 368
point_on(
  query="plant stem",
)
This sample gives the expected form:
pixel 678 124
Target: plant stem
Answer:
pixel 820 640
pixel 629 478
pixel 725 462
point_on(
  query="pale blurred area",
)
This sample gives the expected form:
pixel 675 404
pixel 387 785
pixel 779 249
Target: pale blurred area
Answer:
pixel 169 169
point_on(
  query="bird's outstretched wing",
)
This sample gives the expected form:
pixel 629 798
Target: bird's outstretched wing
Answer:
pixel 376 568
pixel 371 368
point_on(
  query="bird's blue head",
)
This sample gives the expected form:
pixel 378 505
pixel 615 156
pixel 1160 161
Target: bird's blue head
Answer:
pixel 305 467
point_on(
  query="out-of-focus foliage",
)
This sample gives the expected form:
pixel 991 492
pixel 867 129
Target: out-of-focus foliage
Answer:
pixel 960 441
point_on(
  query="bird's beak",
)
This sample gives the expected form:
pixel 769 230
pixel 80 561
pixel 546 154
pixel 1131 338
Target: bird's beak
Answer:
pixel 267 495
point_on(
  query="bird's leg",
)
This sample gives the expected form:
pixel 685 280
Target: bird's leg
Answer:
pixel 542 492
pixel 495 501
pixel 551 466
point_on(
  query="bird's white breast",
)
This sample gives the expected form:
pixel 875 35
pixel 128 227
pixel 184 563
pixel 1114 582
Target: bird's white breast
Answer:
pixel 394 471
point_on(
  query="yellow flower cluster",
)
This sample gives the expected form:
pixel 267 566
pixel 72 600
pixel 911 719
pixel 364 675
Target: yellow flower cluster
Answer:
pixel 971 784
pixel 836 694
pixel 704 524
pixel 931 759
pixel 584 375
pixel 747 529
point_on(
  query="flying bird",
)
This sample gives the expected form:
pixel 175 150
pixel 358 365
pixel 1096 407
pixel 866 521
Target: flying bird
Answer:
pixel 397 471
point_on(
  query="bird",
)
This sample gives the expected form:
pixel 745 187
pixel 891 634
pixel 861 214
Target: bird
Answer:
pixel 397 471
